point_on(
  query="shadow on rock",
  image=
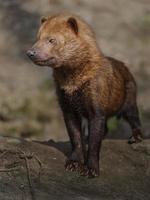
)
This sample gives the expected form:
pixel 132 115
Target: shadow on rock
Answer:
pixel 63 147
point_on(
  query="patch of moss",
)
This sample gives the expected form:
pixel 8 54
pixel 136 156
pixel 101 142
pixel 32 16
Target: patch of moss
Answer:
pixel 112 124
pixel 11 130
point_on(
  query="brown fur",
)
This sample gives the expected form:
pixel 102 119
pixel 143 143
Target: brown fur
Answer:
pixel 88 85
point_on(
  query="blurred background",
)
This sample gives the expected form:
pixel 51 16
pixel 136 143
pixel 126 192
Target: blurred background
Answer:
pixel 28 105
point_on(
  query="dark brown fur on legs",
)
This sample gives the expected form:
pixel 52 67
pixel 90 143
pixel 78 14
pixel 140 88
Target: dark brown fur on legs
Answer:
pixel 131 115
pixel 73 124
pixel 96 134
pixel 88 84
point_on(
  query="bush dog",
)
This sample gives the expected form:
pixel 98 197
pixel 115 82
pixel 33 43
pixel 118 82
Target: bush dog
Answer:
pixel 88 85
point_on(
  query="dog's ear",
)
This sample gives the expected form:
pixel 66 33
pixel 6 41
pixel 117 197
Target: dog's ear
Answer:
pixel 72 23
pixel 43 19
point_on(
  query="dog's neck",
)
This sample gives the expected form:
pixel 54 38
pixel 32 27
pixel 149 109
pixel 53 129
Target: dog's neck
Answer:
pixel 71 78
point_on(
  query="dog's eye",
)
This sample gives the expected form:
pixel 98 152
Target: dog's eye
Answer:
pixel 52 40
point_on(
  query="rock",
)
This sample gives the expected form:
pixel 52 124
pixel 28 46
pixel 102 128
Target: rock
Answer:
pixel 37 172
pixel 142 146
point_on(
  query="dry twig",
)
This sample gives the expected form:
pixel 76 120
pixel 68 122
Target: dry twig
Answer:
pixel 26 157
pixel 3 153
pixel 9 169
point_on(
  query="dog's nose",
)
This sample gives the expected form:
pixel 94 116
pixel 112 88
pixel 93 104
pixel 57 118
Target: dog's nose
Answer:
pixel 31 53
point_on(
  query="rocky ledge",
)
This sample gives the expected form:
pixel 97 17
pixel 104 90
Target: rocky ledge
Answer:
pixel 35 171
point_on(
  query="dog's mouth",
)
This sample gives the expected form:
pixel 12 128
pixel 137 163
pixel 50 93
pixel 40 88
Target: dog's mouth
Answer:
pixel 48 62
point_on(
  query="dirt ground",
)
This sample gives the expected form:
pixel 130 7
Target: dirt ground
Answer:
pixel 35 171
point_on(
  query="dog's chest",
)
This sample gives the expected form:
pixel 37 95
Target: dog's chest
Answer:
pixel 76 101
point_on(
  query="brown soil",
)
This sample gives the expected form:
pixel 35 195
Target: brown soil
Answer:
pixel 35 171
